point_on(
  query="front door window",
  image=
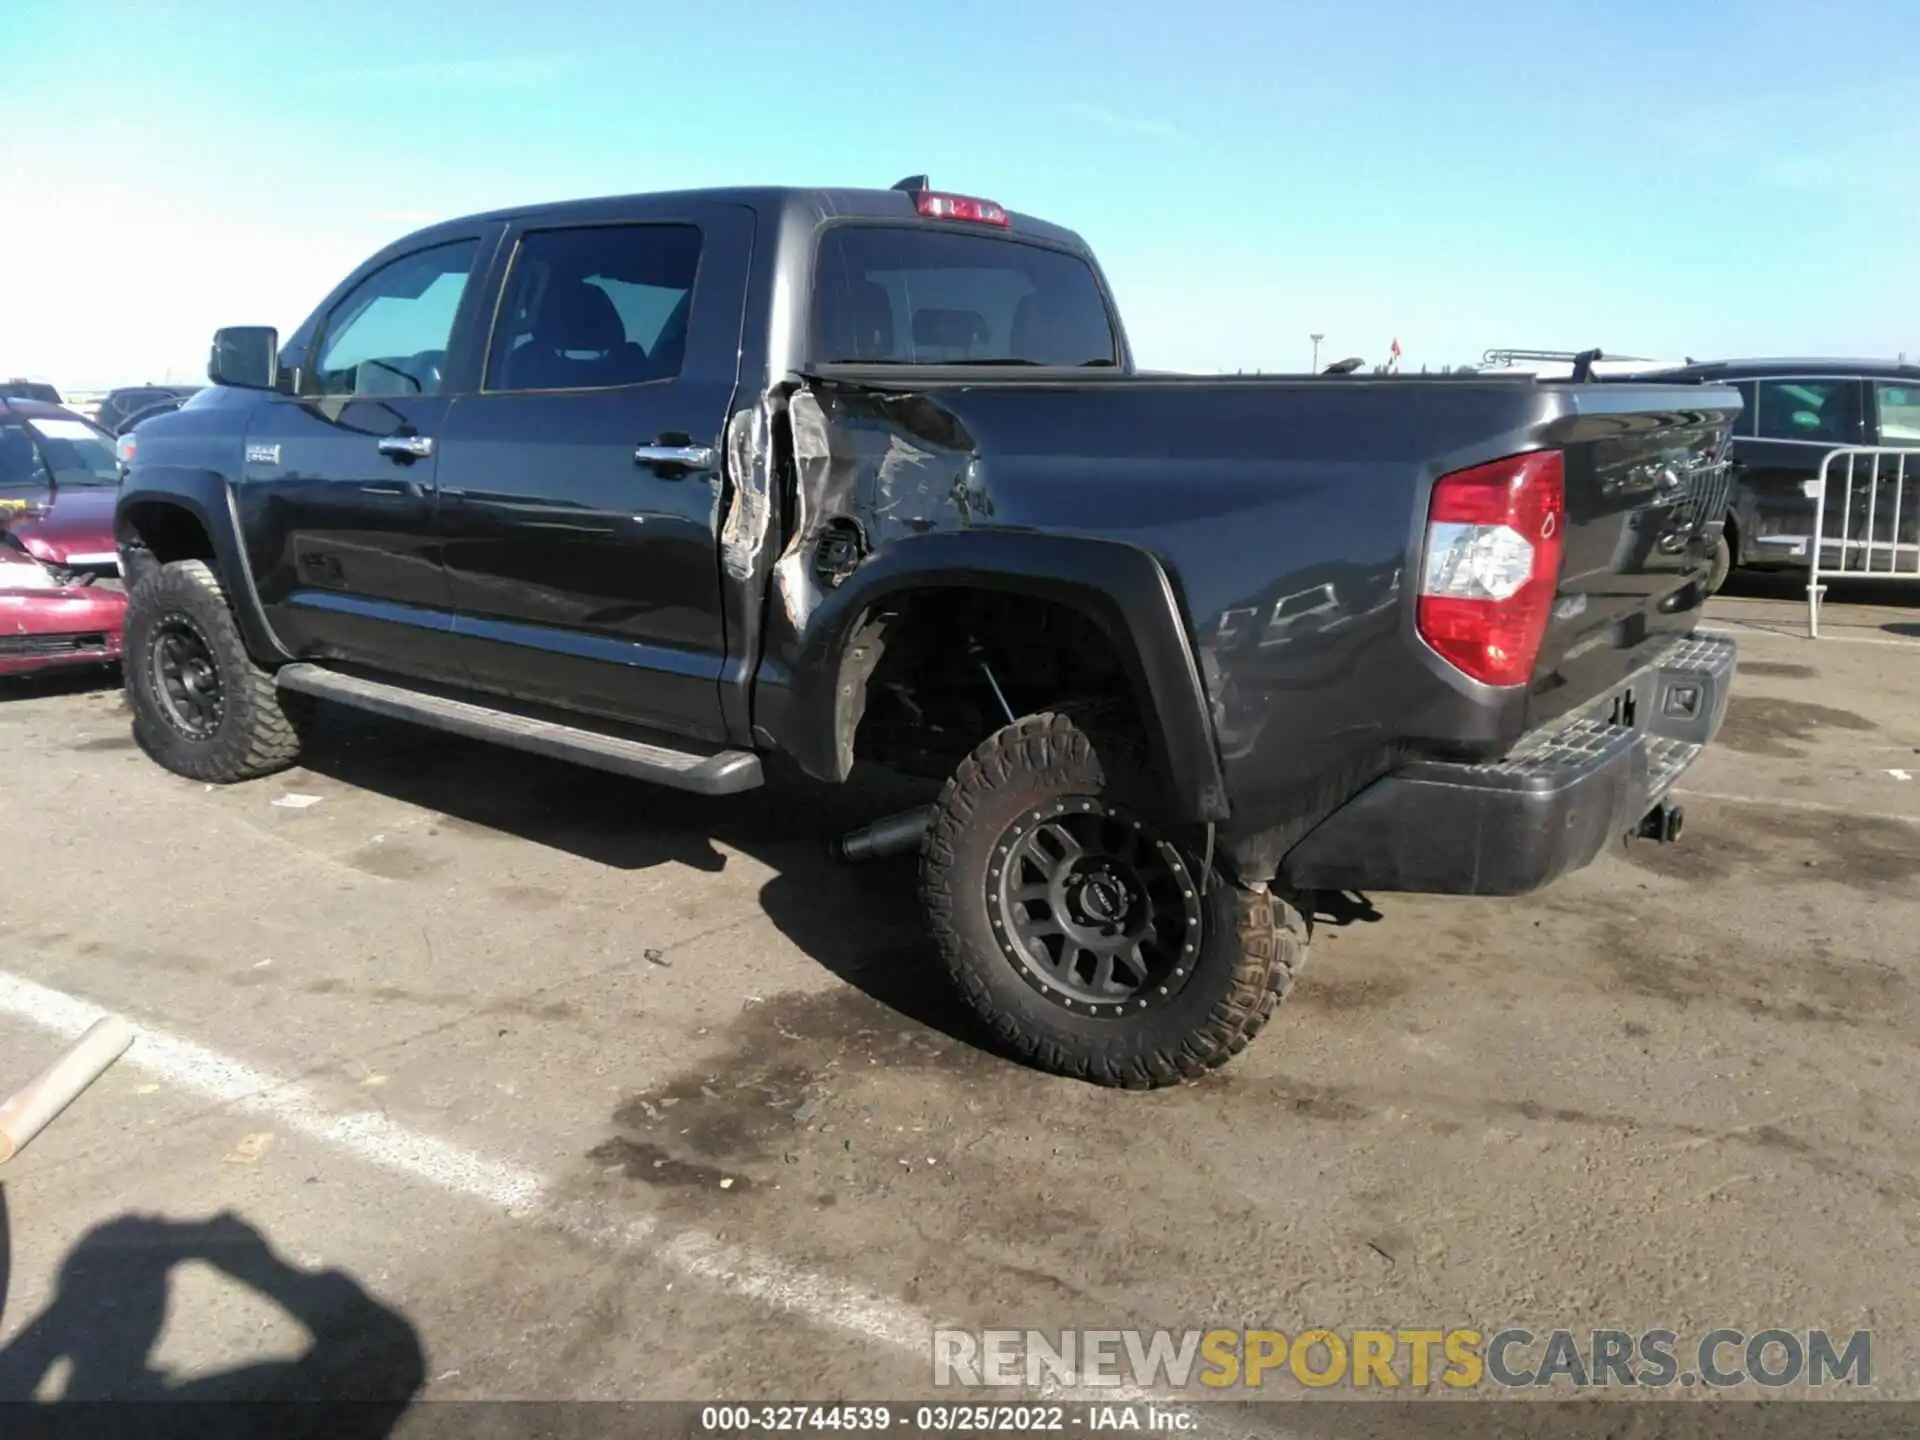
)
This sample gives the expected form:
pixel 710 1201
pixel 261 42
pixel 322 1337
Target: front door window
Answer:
pixel 389 335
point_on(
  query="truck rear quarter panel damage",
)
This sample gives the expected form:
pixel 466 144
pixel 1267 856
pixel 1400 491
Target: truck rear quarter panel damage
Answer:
pixel 1286 518
pixel 905 476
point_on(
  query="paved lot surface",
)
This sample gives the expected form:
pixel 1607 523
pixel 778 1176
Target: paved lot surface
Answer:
pixel 501 1079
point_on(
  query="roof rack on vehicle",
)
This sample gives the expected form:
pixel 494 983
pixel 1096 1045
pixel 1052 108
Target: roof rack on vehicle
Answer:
pixel 1507 357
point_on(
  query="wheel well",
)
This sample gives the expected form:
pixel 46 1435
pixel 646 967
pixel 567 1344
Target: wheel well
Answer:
pixel 915 689
pixel 165 532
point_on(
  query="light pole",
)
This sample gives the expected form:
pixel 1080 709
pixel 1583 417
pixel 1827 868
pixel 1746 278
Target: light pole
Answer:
pixel 1316 338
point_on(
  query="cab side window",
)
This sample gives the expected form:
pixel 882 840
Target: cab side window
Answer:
pixel 1823 411
pixel 595 308
pixel 1898 405
pixel 389 335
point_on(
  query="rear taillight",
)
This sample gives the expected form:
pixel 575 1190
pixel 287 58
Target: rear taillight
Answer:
pixel 1494 539
pixel 936 205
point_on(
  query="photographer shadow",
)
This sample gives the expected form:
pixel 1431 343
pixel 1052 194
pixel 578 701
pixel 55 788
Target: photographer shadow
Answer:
pixel 364 1359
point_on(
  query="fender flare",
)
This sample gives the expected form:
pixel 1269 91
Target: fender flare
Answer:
pixel 1121 588
pixel 206 496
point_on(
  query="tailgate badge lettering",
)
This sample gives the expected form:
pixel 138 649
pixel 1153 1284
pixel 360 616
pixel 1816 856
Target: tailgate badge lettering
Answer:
pixel 263 454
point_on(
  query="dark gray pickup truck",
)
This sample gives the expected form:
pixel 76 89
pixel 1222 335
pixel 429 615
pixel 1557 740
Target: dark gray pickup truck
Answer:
pixel 673 484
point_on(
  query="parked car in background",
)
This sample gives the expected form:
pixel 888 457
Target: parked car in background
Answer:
pixel 1797 412
pixel 61 602
pixel 120 409
pixel 21 389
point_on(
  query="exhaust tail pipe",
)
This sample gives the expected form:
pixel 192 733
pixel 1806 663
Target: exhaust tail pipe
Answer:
pixel 1662 823
pixel 889 835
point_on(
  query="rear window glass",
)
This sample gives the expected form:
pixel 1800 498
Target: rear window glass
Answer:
pixel 897 295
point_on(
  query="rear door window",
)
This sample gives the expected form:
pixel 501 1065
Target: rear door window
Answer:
pixel 596 308
pixel 905 295
pixel 1898 406
pixel 1823 411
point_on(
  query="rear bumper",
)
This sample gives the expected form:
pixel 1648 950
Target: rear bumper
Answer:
pixel 1557 799
pixel 48 630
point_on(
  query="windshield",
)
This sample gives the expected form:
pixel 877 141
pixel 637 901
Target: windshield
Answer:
pixel 914 295
pixel 37 449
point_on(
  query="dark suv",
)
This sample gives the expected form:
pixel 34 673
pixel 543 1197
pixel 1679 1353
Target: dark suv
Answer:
pixel 123 406
pixel 1797 411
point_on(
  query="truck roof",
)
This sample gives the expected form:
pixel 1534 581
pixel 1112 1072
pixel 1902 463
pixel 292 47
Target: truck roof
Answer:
pixel 1826 365
pixel 790 202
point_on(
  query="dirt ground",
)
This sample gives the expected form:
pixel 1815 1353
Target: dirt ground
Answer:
pixel 469 1075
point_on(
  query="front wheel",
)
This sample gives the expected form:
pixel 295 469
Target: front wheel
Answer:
pixel 201 707
pixel 1088 938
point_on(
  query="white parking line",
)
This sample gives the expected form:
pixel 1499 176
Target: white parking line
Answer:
pixel 375 1139
pixel 520 1193
pixel 1818 806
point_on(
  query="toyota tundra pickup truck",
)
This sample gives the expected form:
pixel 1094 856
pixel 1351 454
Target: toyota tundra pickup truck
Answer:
pixel 678 485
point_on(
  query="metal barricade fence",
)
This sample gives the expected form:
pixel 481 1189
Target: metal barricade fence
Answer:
pixel 1862 520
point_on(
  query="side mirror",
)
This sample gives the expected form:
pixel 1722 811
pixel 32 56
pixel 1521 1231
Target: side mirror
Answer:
pixel 247 356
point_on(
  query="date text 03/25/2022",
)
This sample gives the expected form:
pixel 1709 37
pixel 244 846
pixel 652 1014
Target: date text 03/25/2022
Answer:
pixel 1140 1419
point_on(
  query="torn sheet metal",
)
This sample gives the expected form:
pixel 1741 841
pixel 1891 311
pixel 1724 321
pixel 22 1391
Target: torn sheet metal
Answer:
pixel 743 528
pixel 893 465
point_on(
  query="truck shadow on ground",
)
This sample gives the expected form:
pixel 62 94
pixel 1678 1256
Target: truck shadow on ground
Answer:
pixel 860 922
pixel 76 681
pixel 111 1305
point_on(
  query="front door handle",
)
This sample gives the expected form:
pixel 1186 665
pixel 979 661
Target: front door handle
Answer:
pixel 406 447
pixel 672 461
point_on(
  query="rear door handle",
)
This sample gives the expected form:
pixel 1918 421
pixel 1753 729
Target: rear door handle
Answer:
pixel 406 447
pixel 670 461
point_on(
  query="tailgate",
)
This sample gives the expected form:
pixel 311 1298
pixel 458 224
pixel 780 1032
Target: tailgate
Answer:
pixel 1646 486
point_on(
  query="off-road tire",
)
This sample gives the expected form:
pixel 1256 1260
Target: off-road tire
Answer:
pixel 1251 948
pixel 1722 564
pixel 260 728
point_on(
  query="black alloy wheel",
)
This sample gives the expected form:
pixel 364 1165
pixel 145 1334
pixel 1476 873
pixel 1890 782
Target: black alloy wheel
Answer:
pixel 1098 912
pixel 186 680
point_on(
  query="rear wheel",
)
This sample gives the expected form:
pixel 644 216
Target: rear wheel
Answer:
pixel 1090 939
pixel 201 707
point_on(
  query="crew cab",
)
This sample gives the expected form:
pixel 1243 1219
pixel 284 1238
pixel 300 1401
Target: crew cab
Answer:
pixel 673 484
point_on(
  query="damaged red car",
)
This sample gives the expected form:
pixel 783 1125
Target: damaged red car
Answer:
pixel 61 601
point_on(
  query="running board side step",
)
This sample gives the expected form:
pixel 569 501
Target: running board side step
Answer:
pixel 724 772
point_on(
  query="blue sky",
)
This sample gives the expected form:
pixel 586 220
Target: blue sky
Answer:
pixel 1657 179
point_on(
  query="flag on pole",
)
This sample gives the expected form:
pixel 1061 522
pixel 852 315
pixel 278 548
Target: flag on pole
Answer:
pixel 1393 355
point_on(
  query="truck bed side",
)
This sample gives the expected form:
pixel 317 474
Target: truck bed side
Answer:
pixel 1289 518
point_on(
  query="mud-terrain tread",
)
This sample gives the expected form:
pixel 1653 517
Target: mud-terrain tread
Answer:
pixel 1052 749
pixel 262 730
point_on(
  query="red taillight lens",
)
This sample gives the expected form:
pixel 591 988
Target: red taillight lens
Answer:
pixel 1495 534
pixel 938 206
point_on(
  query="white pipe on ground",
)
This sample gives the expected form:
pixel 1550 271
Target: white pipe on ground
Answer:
pixel 31 1108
